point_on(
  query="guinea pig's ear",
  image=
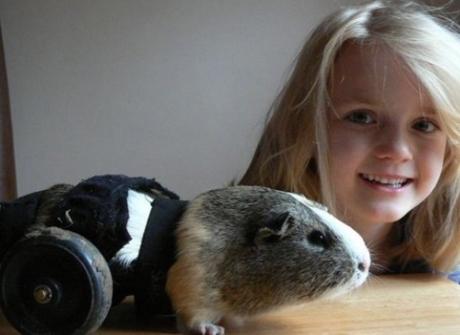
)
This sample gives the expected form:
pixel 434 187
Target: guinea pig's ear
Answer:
pixel 274 229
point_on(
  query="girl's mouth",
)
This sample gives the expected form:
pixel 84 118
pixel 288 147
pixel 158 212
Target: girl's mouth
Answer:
pixel 388 182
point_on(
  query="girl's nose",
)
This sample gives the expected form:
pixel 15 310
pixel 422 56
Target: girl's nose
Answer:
pixel 393 144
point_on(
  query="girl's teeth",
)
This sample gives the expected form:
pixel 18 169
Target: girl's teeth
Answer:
pixel 394 183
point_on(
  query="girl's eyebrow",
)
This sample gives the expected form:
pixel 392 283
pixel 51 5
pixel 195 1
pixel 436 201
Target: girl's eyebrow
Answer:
pixel 429 110
pixel 362 99
pixel 362 94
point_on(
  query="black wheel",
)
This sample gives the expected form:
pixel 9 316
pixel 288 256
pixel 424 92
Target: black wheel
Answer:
pixel 55 282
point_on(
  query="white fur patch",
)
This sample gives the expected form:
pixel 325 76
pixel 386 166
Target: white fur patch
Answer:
pixel 353 242
pixel 139 207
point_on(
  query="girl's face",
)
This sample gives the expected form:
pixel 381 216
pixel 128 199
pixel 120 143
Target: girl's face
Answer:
pixel 386 142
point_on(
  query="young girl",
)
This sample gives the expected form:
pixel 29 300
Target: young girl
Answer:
pixel 369 125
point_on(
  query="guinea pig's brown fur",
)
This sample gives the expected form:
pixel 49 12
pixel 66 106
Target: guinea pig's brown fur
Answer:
pixel 245 250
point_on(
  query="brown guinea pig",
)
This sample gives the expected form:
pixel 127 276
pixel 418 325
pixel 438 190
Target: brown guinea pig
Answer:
pixel 244 250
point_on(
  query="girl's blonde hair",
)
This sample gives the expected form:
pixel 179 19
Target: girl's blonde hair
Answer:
pixel 292 154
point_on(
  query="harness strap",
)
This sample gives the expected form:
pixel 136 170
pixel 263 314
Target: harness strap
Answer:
pixel 156 256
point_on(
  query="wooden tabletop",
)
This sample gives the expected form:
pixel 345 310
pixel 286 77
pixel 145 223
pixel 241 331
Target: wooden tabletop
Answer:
pixel 403 304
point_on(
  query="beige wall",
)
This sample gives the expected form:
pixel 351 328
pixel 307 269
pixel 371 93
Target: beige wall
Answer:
pixel 174 89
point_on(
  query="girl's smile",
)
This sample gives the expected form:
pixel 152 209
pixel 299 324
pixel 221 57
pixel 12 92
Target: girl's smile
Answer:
pixel 386 144
pixel 386 183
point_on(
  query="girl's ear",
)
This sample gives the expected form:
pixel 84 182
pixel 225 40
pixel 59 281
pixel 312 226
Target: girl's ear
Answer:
pixel 275 229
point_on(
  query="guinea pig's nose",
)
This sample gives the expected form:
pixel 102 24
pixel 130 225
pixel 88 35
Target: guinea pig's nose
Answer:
pixel 364 265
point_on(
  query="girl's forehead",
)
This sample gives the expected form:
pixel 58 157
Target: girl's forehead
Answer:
pixel 373 73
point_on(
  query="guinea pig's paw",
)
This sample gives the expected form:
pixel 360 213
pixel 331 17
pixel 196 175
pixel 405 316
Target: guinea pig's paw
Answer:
pixel 207 329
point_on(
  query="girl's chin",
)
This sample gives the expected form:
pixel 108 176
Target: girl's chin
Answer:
pixel 375 215
pixel 386 215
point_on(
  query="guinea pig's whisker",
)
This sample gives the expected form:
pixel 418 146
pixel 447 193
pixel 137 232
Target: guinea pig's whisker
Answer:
pixel 372 278
pixel 377 266
pixel 371 245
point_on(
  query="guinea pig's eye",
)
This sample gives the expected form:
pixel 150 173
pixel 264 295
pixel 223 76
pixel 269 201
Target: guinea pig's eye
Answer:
pixel 318 238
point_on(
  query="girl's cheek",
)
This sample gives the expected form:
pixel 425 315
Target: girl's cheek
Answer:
pixel 346 154
pixel 434 153
pixel 343 142
pixel 434 162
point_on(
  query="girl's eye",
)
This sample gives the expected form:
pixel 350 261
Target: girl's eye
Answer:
pixel 360 117
pixel 425 126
